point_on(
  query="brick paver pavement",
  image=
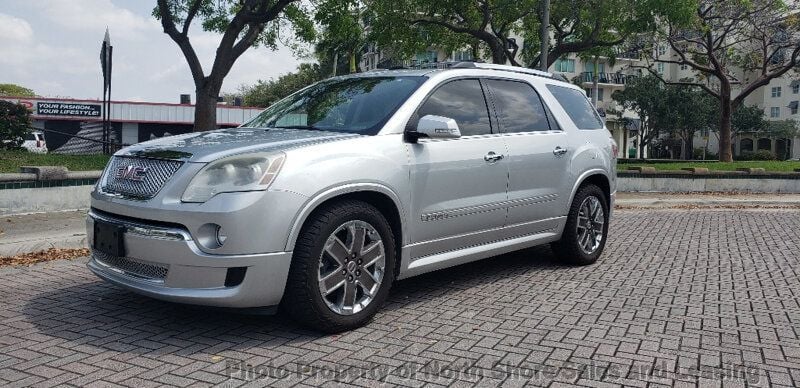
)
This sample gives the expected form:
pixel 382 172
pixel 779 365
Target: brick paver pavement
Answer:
pixel 680 297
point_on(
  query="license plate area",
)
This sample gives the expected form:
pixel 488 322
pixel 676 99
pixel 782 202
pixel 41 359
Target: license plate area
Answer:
pixel 109 238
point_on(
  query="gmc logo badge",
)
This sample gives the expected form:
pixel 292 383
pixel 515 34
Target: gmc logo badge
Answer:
pixel 131 173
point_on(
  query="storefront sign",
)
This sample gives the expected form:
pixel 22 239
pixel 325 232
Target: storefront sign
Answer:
pixel 67 109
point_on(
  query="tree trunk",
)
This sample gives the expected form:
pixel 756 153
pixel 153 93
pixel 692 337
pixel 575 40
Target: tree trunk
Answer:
pixel 641 143
pixel 352 62
pixel 498 52
pixel 688 147
pixel 205 110
pixel 725 149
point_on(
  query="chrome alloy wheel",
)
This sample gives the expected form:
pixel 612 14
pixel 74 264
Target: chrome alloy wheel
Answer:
pixel 591 219
pixel 351 267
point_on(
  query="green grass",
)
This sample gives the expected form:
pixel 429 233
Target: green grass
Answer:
pixel 10 161
pixel 776 166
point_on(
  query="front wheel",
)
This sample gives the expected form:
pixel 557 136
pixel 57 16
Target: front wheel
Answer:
pixel 586 231
pixel 342 267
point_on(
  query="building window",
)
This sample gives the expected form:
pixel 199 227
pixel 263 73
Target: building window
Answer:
pixel 463 55
pixel 662 50
pixel 775 112
pixel 601 67
pixel 565 65
pixel 796 88
pixel 765 144
pixel 776 91
pixel 793 107
pixel 599 93
pixel 684 66
pixel 660 67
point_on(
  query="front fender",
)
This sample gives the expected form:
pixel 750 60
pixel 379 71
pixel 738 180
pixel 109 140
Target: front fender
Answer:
pixel 332 192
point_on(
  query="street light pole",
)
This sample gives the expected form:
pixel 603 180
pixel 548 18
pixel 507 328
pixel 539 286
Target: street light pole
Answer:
pixel 545 35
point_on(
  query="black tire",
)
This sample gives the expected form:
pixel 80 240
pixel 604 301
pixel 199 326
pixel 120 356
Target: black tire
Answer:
pixel 302 298
pixel 568 249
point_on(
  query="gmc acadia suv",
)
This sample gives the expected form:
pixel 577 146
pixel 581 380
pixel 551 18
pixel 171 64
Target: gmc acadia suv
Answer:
pixel 332 194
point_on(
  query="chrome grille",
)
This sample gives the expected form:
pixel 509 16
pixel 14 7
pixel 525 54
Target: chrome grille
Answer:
pixel 149 271
pixel 157 173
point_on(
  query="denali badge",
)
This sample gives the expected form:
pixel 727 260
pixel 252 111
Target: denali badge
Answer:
pixel 131 173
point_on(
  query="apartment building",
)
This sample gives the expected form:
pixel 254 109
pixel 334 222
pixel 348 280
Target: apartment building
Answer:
pixel 779 99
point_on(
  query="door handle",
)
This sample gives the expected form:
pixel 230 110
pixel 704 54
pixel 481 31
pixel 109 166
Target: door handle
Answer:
pixel 559 151
pixel 492 157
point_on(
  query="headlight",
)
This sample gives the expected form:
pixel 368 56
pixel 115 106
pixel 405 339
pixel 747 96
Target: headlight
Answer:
pixel 237 173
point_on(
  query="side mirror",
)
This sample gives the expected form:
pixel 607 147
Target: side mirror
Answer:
pixel 435 127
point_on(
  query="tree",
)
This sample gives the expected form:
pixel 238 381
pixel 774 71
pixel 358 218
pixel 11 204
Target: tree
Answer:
pixel 685 111
pixel 742 44
pixel 342 31
pixel 265 93
pixel 15 123
pixel 643 96
pixel 580 26
pixel 12 90
pixel 748 119
pixel 242 23
pixel 410 26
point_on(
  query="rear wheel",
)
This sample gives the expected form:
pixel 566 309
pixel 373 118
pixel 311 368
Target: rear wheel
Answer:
pixel 586 231
pixel 342 267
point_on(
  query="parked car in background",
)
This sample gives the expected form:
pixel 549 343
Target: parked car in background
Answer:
pixel 34 142
pixel 328 196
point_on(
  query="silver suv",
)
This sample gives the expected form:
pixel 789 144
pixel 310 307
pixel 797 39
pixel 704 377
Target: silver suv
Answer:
pixel 332 194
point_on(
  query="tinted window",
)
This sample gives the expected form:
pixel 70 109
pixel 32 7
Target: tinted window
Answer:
pixel 579 109
pixel 30 136
pixel 462 101
pixel 358 105
pixel 518 106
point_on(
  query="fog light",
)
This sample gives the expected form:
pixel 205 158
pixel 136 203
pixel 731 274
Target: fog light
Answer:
pixel 221 236
pixel 211 236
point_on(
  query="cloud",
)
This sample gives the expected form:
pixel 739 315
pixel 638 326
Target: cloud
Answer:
pixel 14 29
pixel 54 48
pixel 94 15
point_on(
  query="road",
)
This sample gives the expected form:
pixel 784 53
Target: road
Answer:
pixel 708 296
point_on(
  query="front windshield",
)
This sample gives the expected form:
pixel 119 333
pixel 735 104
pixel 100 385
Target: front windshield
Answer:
pixel 356 105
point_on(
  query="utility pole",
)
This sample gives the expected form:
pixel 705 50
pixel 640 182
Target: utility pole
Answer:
pixel 545 35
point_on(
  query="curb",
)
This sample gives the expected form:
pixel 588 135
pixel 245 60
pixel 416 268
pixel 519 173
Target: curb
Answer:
pixel 66 241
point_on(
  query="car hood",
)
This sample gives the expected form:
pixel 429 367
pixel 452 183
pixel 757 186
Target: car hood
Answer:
pixel 212 145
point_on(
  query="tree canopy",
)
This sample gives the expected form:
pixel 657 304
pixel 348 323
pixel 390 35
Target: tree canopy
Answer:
pixel 733 45
pixel 15 122
pixel 13 90
pixel 243 24
pixel 265 93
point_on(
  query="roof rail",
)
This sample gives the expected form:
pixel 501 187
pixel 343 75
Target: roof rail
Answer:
pixel 513 69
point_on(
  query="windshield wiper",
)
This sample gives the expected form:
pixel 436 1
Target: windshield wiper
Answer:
pixel 307 127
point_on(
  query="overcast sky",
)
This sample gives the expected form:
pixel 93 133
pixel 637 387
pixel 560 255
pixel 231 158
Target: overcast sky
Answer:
pixel 53 47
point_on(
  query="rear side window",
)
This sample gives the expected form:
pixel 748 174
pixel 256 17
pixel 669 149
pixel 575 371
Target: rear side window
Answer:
pixel 579 109
pixel 30 137
pixel 462 101
pixel 518 106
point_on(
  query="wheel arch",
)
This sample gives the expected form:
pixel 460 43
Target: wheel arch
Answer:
pixel 597 177
pixel 383 198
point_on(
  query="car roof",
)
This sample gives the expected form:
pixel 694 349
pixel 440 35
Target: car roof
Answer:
pixel 442 67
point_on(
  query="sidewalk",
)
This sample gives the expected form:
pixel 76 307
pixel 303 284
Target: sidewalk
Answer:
pixel 40 231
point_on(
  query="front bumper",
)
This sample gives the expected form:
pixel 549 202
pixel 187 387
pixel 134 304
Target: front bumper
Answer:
pixel 164 262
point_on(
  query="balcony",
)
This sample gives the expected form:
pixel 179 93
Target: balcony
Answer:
pixel 606 78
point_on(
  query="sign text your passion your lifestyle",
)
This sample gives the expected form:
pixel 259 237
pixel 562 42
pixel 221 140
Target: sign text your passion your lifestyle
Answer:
pixel 65 109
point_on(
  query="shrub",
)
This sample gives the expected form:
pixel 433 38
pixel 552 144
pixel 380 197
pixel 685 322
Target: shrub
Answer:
pixel 697 154
pixel 15 122
pixel 757 155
